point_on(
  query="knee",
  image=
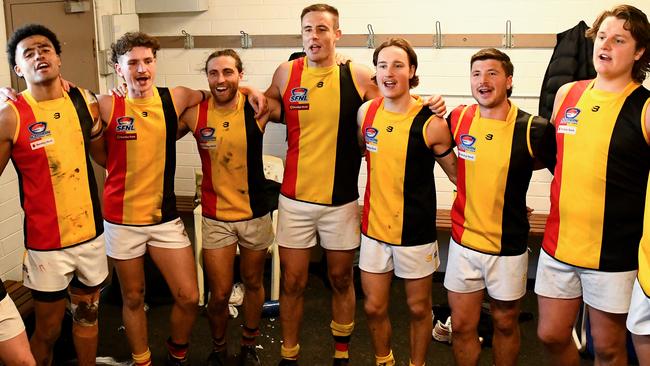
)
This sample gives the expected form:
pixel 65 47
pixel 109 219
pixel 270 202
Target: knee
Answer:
pixel 187 297
pixel 609 348
pixel 375 309
pixel 506 325
pixel 252 282
pixel 461 324
pixel 85 308
pixel 48 334
pixel 552 337
pixel 133 298
pixel 293 284
pixel 419 309
pixel 341 280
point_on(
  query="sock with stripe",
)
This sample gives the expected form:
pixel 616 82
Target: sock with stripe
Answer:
pixel 341 333
pixel 177 351
pixel 249 335
pixel 290 353
pixel 143 359
pixel 388 360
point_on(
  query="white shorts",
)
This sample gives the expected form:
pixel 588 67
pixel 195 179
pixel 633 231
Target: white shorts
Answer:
pixel 254 234
pixel 409 262
pixel 52 270
pixel 638 319
pixel 298 223
pixel 128 242
pixel 11 324
pixel 471 271
pixel 606 291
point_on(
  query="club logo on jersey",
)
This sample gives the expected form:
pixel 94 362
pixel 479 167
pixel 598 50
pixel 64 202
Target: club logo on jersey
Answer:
pixel 39 135
pixel 125 129
pixel 298 99
pixel 38 130
pixel 207 134
pixel 570 115
pixel 207 140
pixel 371 139
pixel 466 149
pixel 568 124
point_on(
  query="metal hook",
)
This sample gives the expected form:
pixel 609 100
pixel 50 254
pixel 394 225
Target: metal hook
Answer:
pixel 437 39
pixel 371 37
pixel 508 37
pixel 188 43
pixel 246 41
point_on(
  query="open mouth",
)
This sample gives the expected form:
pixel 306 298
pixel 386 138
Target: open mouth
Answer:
pixel 389 84
pixel 42 66
pixel 142 80
pixel 483 91
pixel 604 57
pixel 314 48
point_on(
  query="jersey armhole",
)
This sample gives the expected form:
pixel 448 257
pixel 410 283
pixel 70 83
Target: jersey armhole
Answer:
pixel 528 142
pixel 354 80
pixel 644 115
pixel 424 132
pixel 17 131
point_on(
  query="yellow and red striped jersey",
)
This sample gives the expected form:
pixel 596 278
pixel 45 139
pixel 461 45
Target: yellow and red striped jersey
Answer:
pixel 323 158
pixel 400 198
pixel 599 187
pixel 495 163
pixel 50 152
pixel 141 160
pixel 230 146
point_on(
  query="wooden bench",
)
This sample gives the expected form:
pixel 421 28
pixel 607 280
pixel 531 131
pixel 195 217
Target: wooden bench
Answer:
pixel 537 222
pixel 21 296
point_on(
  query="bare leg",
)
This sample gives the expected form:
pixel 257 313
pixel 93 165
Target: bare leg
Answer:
pixel 418 298
pixel 219 268
pixel 507 338
pixel 608 332
pixel 131 275
pixel 465 315
pixel 555 328
pixel 177 267
pixel 376 287
pixel 295 266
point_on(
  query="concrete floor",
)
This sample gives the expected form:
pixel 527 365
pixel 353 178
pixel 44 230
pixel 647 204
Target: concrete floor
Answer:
pixel 316 339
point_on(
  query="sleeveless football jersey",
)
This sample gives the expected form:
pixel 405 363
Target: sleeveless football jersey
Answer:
pixel 400 198
pixel 644 249
pixel 230 145
pixel 495 163
pixel 141 160
pixel 598 191
pixel 50 152
pixel 323 158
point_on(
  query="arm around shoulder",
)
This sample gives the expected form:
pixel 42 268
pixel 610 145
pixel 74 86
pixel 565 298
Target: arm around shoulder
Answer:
pixel 439 138
pixel 8 125
pixel 363 77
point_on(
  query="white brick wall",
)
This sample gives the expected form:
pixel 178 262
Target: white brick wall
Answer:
pixel 443 71
pixel 11 217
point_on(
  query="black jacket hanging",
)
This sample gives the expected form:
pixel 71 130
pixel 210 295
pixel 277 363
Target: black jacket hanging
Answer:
pixel 571 60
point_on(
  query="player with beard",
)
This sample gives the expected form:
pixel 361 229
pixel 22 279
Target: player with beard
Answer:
pixel 234 204
pixel 499 145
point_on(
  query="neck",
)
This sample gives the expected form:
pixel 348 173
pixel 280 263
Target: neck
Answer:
pixel 231 104
pixel 400 104
pixel 612 84
pixel 139 93
pixel 46 91
pixel 327 62
pixel 499 112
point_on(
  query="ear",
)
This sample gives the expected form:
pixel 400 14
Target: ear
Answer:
pixel 17 71
pixel 411 71
pixel 638 54
pixel 118 70
pixel 338 34
pixel 509 82
pixel 241 76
